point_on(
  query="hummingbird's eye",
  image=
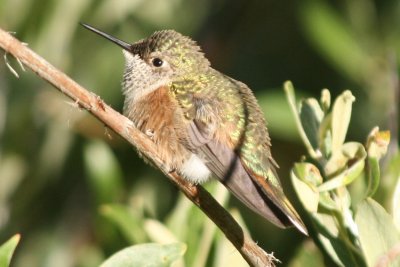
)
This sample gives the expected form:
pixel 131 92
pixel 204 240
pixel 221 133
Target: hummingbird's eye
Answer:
pixel 157 62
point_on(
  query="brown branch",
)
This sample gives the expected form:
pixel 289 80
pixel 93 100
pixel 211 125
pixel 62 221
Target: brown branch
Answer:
pixel 250 251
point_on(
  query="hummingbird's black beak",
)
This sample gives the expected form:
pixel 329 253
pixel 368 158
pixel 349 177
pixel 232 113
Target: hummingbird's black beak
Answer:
pixel 116 41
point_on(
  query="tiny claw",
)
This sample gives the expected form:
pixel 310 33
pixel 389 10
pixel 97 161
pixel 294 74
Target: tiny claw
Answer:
pixel 271 257
pixel 168 168
pixel 150 133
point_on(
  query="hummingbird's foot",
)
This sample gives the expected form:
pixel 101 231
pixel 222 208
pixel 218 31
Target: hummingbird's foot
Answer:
pixel 271 258
pixel 168 168
pixel 150 133
pixel 132 124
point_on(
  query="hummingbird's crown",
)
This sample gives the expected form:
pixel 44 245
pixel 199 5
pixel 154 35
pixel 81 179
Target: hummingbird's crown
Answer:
pixel 176 46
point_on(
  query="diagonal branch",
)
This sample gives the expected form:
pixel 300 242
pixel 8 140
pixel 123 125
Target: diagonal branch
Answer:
pixel 250 251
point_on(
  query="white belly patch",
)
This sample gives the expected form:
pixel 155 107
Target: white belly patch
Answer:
pixel 195 170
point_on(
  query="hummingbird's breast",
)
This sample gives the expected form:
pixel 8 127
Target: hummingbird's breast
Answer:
pixel 158 115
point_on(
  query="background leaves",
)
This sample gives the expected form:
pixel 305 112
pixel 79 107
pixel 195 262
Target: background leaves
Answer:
pixel 51 188
pixel 369 238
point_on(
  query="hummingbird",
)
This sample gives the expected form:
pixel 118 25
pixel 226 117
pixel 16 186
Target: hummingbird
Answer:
pixel 203 122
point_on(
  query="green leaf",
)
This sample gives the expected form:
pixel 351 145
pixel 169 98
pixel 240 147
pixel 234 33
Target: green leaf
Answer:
pixel 350 153
pixel 325 100
pixel 377 144
pixel 341 114
pixel 373 175
pixel 289 90
pixel 327 202
pixel 146 255
pixel 306 255
pixel 328 236
pixel 377 233
pixel 305 178
pixel 307 173
pixel 128 221
pixel 7 250
pixel 105 175
pixel 311 116
pixel 342 253
pixel 179 217
pixel 158 232
pixel 325 135
pixel 308 195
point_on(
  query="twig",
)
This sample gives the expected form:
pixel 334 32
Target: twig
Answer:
pixel 250 251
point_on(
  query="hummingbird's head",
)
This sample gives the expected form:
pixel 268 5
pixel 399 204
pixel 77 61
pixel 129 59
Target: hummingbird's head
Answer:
pixel 160 59
pixel 157 61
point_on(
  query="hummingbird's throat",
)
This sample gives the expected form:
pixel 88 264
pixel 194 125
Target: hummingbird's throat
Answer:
pixel 140 79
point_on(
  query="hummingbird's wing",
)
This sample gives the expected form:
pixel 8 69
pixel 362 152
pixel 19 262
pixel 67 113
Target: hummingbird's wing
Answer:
pixel 254 191
pixel 246 166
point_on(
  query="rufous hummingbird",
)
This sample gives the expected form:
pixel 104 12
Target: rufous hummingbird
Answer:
pixel 203 122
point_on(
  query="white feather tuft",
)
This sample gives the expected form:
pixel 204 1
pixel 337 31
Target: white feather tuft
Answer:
pixel 195 170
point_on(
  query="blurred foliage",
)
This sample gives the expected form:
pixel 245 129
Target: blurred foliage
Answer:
pixel 7 250
pixel 77 194
pixel 151 255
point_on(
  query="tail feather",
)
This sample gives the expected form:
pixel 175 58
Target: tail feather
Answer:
pixel 260 196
